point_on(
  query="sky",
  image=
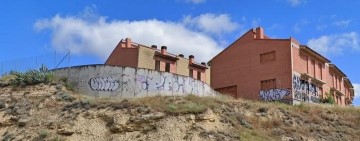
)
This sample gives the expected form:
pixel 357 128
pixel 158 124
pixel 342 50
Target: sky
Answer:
pixel 91 29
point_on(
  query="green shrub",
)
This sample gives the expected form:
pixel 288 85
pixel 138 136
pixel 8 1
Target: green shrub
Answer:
pixel 68 85
pixel 33 77
pixel 42 134
pixel 57 138
pixel 329 99
pixel 186 107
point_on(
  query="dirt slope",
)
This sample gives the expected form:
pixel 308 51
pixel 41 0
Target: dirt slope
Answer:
pixel 50 112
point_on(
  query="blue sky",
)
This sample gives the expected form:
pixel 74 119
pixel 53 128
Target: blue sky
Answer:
pixel 91 29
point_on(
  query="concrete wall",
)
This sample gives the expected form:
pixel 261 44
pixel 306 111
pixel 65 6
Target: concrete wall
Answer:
pixel 127 82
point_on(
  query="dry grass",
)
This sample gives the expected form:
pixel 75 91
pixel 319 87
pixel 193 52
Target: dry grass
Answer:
pixel 178 105
pixel 267 120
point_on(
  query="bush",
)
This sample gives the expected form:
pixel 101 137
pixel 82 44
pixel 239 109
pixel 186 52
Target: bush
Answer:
pixel 68 85
pixel 33 77
pixel 329 99
pixel 184 108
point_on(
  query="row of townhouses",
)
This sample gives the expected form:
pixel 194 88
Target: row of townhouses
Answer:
pixel 253 67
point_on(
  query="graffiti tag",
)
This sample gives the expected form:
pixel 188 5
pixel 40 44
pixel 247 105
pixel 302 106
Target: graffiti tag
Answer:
pixel 103 84
pixel 273 94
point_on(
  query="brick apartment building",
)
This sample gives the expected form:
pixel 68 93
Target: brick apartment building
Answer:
pixel 130 54
pixel 258 67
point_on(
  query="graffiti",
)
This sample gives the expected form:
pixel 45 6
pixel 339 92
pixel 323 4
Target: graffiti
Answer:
pixel 305 91
pixel 132 82
pixel 274 94
pixel 103 84
pixel 179 84
pixel 138 84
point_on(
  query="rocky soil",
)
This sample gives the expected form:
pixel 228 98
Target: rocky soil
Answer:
pixel 52 113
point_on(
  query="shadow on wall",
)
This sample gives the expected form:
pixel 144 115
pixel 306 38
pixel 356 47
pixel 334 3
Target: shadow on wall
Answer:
pixel 126 82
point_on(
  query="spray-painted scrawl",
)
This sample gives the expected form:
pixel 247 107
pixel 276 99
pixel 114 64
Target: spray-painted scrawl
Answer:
pixel 305 91
pixel 103 84
pixel 126 82
pixel 274 94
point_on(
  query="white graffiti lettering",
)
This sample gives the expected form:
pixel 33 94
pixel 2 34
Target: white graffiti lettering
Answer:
pixel 273 94
pixel 103 84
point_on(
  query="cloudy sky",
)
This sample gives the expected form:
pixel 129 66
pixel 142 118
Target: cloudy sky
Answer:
pixel 91 29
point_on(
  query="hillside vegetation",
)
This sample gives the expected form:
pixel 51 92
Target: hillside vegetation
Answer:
pixel 53 113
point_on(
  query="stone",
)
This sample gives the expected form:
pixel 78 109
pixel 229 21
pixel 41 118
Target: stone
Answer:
pixel 41 105
pixel 147 117
pixel 65 132
pixel 207 115
pixel 14 118
pixel 22 122
pixel 148 128
pixel 115 128
pixel 245 123
pixel 2 104
pixel 132 128
pixel 191 118
pixel 153 116
pixel 143 110
pixel 51 125
pixel 5 123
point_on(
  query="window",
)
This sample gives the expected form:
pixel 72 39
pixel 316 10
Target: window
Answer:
pixel 320 91
pixel 313 67
pixel 199 75
pixel 191 73
pixel 167 67
pixel 267 57
pixel 268 84
pixel 320 69
pixel 157 65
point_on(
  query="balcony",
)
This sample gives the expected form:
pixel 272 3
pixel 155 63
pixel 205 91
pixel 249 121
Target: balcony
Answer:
pixel 338 92
pixel 313 79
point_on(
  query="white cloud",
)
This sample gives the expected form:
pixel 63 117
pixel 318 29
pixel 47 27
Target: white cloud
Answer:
pixel 212 23
pixel 196 1
pixel 357 90
pixel 255 22
pixel 295 2
pixel 336 43
pixel 342 23
pixel 98 36
pixel 299 25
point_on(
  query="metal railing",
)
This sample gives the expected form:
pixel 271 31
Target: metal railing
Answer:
pixel 51 60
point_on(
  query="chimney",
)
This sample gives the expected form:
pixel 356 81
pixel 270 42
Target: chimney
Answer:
pixel 191 59
pixel 259 33
pixel 154 47
pixel 128 43
pixel 181 55
pixel 164 50
pixel 203 63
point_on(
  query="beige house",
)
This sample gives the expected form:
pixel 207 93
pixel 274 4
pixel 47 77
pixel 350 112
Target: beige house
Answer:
pixel 130 54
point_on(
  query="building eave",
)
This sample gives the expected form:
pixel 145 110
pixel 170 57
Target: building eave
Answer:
pixel 198 66
pixel 347 80
pixel 173 58
pixel 334 67
pixel 314 53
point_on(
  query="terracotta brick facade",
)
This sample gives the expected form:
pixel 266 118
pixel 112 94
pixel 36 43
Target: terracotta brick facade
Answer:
pixel 257 67
pixel 130 54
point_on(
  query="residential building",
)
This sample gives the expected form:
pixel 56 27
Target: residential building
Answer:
pixel 130 54
pixel 258 67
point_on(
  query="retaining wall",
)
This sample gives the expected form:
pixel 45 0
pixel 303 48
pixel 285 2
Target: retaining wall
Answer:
pixel 127 82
